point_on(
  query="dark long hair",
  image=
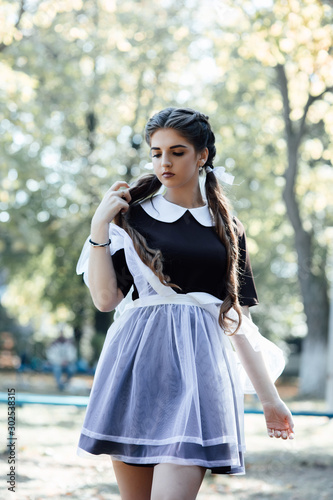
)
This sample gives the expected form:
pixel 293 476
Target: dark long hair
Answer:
pixel 194 127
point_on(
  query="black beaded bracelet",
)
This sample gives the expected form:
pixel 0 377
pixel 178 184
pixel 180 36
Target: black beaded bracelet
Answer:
pixel 93 244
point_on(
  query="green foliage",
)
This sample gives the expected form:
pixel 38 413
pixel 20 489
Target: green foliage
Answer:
pixel 79 80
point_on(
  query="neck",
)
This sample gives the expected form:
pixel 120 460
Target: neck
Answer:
pixel 186 199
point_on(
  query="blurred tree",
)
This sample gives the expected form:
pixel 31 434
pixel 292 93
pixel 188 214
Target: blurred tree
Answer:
pixel 79 80
pixel 77 96
pixel 293 43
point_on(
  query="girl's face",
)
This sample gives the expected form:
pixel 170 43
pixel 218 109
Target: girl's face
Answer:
pixel 175 161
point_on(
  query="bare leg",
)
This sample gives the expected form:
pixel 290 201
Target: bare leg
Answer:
pixel 133 482
pixel 176 482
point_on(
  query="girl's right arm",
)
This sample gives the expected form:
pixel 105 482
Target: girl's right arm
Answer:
pixel 101 274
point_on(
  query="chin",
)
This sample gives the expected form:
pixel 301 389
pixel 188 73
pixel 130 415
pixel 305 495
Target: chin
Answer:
pixel 167 181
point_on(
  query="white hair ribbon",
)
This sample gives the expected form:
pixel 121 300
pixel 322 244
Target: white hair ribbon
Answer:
pixel 221 174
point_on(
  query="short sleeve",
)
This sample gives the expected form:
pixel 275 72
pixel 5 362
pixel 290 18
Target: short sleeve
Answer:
pixel 123 274
pixel 247 292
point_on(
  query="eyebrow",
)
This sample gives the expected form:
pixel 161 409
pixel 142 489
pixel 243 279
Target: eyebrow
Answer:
pixel 173 147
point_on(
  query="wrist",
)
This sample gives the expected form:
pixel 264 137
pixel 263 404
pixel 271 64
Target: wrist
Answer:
pixel 269 396
pixel 99 222
pixel 99 245
pixel 99 230
pixel 269 401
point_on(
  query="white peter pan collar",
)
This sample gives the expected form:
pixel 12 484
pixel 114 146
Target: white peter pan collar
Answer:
pixel 162 210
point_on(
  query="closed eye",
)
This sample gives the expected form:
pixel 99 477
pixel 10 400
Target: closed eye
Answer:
pixel 174 153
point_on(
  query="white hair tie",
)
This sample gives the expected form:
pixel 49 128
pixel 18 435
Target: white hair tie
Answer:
pixel 221 174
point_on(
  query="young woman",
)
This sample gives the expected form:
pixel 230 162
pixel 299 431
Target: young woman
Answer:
pixel 167 398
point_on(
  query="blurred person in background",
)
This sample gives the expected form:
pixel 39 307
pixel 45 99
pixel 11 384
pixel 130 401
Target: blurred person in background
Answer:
pixel 62 356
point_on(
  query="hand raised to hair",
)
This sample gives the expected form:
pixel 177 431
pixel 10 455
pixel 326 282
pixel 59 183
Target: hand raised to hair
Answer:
pixel 113 202
pixel 278 420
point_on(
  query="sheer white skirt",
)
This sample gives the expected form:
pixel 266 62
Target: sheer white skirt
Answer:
pixel 167 389
pixel 168 385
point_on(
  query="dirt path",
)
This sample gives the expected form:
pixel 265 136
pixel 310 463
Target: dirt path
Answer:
pixel 48 467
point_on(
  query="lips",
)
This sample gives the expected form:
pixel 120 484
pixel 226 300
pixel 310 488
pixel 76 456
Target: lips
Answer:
pixel 167 174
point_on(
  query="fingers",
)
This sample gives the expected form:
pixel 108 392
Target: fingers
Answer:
pixel 270 432
pixel 124 193
pixel 291 422
pixel 290 430
pixel 276 433
pixel 118 184
pixel 116 200
pixel 284 434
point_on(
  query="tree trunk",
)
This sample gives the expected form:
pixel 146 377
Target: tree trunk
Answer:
pixel 313 290
pixel 313 366
pixel 313 287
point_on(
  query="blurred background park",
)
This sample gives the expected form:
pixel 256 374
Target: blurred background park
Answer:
pixel 78 81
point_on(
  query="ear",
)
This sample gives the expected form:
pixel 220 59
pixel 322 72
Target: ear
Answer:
pixel 204 156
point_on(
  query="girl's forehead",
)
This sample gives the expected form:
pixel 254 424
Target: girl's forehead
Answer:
pixel 167 137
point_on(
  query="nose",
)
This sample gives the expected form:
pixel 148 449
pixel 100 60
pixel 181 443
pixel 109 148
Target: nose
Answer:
pixel 166 161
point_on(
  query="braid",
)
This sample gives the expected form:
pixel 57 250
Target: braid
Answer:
pixel 226 230
pixel 210 143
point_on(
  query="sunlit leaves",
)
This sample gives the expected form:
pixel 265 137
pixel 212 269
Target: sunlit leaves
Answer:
pixel 9 15
pixel 78 81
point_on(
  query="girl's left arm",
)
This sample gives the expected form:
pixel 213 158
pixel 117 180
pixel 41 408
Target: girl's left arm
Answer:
pixel 278 417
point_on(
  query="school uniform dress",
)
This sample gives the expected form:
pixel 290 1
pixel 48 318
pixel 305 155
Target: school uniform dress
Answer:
pixel 168 386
